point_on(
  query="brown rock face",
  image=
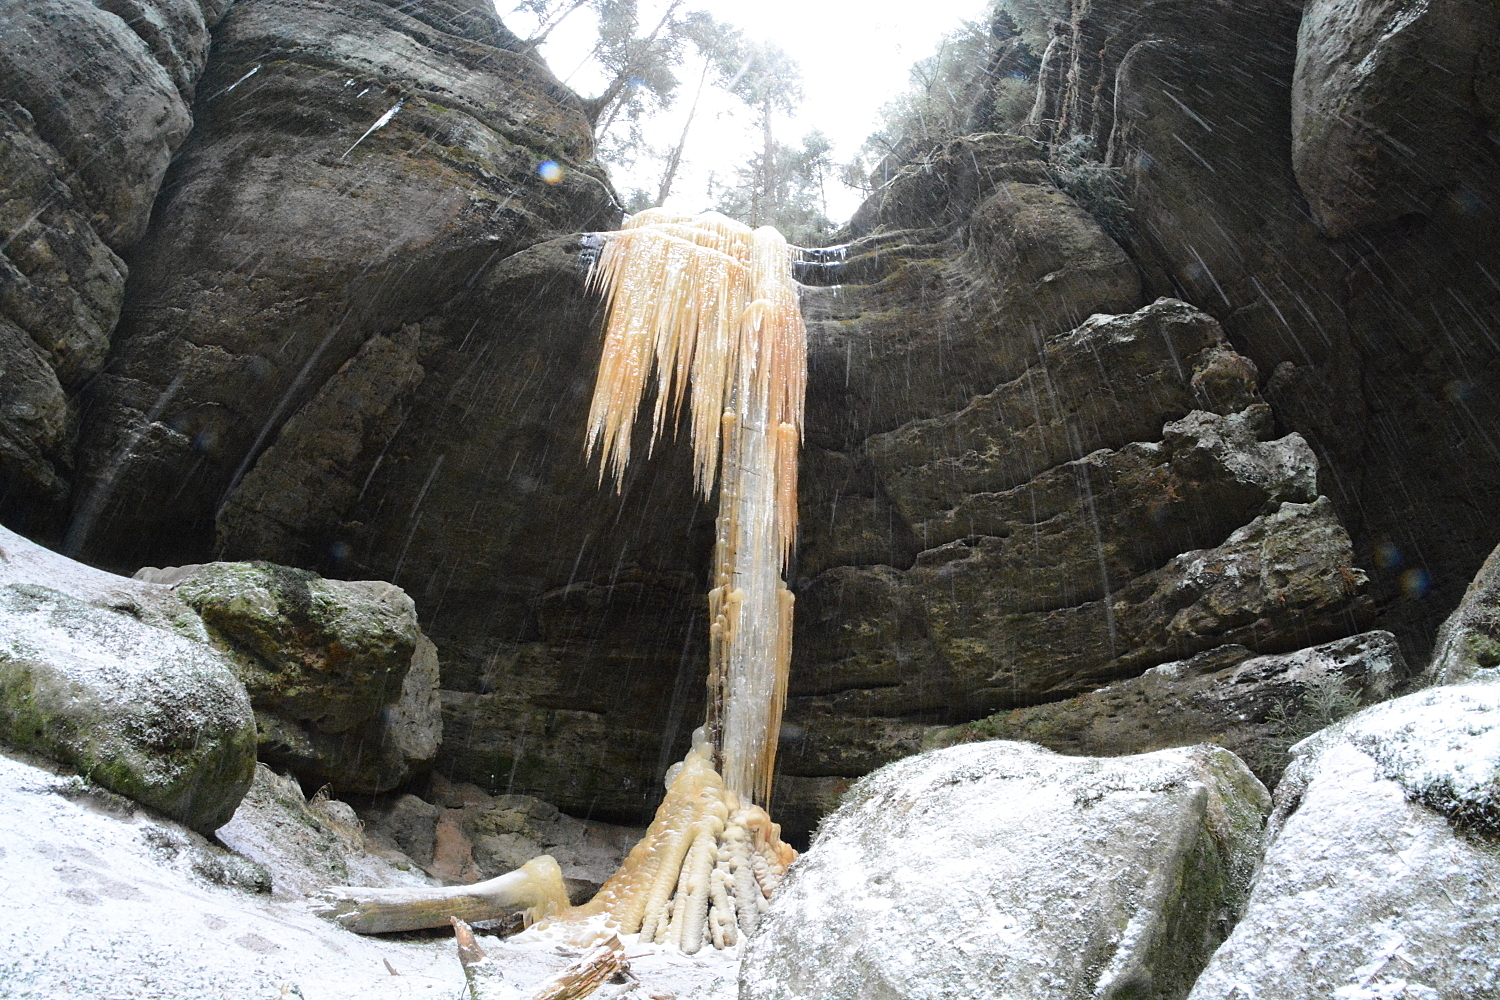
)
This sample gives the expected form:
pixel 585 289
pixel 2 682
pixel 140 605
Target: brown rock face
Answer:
pixel 1326 186
pixel 93 101
pixel 353 166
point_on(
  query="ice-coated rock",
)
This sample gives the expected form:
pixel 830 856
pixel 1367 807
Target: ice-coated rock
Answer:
pixel 1380 865
pixel 1003 870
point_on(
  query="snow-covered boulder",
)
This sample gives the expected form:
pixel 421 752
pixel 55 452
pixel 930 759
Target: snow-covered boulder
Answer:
pixel 1001 869
pixel 118 680
pixel 1381 864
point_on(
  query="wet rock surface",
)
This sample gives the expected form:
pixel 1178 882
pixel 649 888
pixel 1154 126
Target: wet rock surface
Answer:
pixel 1003 870
pixel 974 262
pixel 1071 527
pixel 1363 153
pixel 351 168
pixel 1255 706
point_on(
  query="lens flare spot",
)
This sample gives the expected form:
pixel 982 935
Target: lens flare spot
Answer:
pixel 1387 555
pixel 549 171
pixel 1415 583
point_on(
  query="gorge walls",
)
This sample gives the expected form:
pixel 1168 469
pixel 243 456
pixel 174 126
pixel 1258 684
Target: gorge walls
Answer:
pixel 296 291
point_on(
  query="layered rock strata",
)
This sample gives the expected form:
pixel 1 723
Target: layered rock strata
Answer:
pixel 84 144
pixel 351 168
pixel 1321 177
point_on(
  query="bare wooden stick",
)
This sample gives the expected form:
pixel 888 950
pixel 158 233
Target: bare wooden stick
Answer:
pixel 536 887
pixel 481 976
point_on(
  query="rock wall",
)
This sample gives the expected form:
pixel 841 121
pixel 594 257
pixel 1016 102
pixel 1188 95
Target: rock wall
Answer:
pixel 1045 457
pixel 85 140
pixel 351 167
pixel 1325 184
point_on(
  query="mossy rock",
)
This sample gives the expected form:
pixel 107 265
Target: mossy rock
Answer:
pixel 331 653
pixel 136 709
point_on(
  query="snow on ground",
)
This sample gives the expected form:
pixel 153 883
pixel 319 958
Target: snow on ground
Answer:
pixel 102 900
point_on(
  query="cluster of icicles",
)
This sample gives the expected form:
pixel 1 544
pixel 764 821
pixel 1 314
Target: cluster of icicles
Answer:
pixel 703 873
pixel 705 308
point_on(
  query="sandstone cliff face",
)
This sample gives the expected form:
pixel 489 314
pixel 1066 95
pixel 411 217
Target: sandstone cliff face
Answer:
pixel 1325 184
pixel 352 166
pixel 1043 457
pixel 85 139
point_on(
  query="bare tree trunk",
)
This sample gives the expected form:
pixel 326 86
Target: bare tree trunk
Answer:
pixel 675 160
pixel 767 167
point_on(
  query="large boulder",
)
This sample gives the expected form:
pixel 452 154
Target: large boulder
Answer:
pixel 344 683
pixel 119 681
pixel 1380 862
pixel 1002 870
pixel 1468 644
pixel 1391 106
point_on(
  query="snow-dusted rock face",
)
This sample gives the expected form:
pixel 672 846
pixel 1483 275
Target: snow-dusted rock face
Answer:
pixel 1004 870
pixel 307 845
pixel 142 684
pixel 1380 866
pixel 1468 644
pixel 118 679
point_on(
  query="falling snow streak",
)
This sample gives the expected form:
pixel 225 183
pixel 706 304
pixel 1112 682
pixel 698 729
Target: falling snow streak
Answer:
pixel 703 311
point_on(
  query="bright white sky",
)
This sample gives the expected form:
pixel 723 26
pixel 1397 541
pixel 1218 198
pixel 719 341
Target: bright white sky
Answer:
pixel 854 56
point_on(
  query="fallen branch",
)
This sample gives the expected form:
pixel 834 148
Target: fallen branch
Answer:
pixel 702 875
pixel 536 887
